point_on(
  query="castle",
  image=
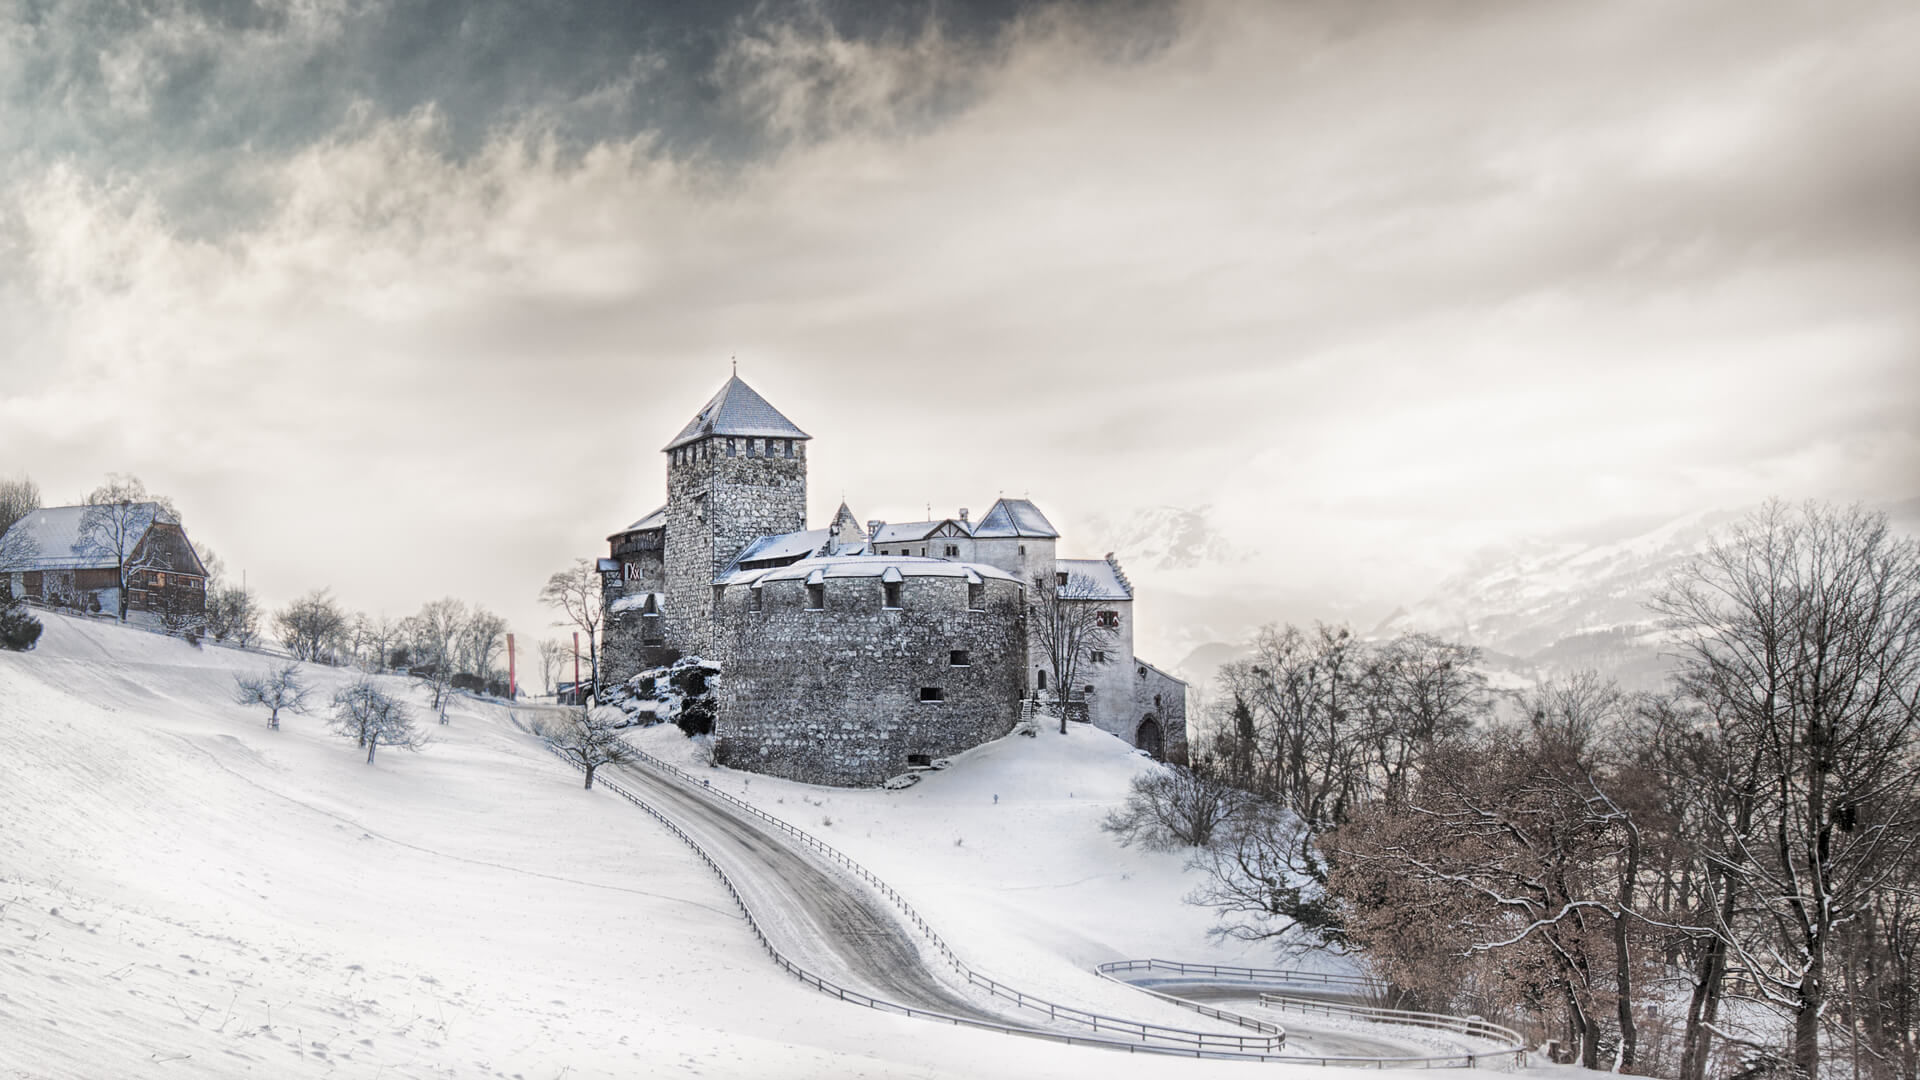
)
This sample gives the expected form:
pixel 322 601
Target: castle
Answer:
pixel 855 652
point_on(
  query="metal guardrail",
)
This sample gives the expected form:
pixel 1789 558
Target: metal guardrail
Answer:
pixel 856 997
pixel 1352 983
pixel 1268 1041
pixel 1512 1053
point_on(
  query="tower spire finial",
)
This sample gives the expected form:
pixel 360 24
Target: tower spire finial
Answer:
pixel 736 366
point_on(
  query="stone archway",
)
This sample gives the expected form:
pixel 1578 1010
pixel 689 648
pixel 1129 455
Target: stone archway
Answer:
pixel 1147 737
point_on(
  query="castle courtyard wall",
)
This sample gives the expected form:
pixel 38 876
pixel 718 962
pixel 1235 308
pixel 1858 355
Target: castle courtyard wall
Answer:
pixel 834 696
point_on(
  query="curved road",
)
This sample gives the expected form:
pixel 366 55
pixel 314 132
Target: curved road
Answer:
pixel 874 953
pixel 836 926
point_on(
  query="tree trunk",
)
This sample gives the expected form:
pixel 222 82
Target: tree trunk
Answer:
pixel 1622 956
pixel 372 745
pixel 589 784
pixel 1806 1019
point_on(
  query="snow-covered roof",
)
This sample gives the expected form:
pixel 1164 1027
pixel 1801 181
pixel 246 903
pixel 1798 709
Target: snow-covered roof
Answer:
pixel 1163 673
pixel 867 566
pixel 638 602
pixel 1102 578
pixel 1015 517
pixel 900 532
pixel 783 546
pixel 56 537
pixel 737 410
pixel 850 526
pixel 655 520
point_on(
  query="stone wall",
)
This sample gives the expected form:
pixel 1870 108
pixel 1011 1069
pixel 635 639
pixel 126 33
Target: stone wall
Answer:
pixel 716 504
pixel 1162 699
pixel 625 629
pixel 834 696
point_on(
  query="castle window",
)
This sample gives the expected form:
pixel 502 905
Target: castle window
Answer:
pixel 952 550
pixel 890 594
pixel 958 658
pixel 1107 620
pixel 1043 677
pixel 1156 701
pixel 1098 657
pixel 816 598
pixel 923 551
pixel 759 601
pixel 1023 549
pixel 1088 689
pixel 786 447
pixel 919 761
pixel 1143 672
pixel 976 596
pixel 932 693
pixel 719 594
pixel 1060 578
pixel 729 447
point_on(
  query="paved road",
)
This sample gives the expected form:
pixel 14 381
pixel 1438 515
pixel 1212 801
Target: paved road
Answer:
pixel 857 939
pixel 834 925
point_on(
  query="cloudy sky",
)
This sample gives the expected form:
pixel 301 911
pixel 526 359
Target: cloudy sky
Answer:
pixel 405 298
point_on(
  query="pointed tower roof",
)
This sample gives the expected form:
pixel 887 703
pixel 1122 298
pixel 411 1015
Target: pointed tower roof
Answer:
pixel 737 410
pixel 850 527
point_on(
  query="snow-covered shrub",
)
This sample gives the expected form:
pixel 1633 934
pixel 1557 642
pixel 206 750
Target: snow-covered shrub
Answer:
pixel 19 630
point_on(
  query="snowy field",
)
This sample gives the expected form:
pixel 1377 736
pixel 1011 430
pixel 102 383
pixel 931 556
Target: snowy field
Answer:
pixel 186 893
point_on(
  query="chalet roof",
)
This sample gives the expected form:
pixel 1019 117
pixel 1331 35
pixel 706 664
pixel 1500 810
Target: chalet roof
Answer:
pixel 57 543
pixel 737 410
pixel 1015 517
pixel 867 566
pixel 1103 579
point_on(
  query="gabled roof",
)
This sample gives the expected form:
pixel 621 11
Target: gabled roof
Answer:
pixel 1098 579
pixel 896 532
pixel 1015 517
pixel 55 536
pixel 737 410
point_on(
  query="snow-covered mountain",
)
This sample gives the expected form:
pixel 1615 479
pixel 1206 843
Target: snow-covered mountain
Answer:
pixel 1164 538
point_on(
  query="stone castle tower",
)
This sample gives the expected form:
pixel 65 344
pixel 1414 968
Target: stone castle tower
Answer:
pixel 736 472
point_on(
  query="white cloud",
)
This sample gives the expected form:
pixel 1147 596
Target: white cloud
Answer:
pixel 1375 290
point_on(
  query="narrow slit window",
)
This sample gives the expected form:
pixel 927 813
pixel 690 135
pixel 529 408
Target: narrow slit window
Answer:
pixel 759 601
pixel 976 596
pixel 816 598
pixel 890 594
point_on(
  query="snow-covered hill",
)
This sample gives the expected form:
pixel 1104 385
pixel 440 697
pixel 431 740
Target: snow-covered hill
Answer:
pixel 182 888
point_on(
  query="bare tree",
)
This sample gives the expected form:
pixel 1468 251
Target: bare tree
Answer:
pixel 1799 635
pixel 118 515
pixel 368 714
pixel 232 615
pixel 311 627
pixel 588 737
pixel 481 639
pixel 575 593
pixel 1073 632
pixel 436 635
pixel 278 689
pixel 1173 806
pixel 553 659
pixel 18 498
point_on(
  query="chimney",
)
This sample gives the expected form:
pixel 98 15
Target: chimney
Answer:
pixel 873 529
pixel 963 515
